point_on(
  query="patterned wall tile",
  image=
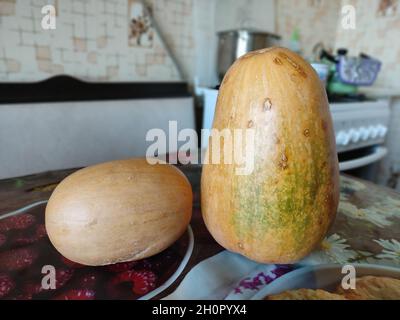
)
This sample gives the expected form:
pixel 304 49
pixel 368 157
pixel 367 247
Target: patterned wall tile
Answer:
pixel 89 31
pixel 316 21
pixel 375 34
pixel 7 8
pixel 90 41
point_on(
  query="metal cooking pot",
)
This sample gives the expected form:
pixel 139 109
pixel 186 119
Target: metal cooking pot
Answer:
pixel 234 43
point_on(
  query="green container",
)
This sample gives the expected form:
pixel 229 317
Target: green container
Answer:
pixel 335 86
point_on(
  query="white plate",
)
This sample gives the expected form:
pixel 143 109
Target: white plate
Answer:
pixel 326 277
pixel 178 271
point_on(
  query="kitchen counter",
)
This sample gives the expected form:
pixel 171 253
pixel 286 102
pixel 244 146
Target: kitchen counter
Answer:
pixel 381 92
pixel 366 230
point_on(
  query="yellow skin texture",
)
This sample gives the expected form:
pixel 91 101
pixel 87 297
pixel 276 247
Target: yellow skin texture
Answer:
pixel 118 211
pixel 283 210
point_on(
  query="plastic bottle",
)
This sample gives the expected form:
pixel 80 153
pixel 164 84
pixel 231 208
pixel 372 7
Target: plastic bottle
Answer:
pixel 295 44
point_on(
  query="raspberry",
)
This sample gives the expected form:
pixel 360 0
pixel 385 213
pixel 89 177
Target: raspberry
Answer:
pixel 30 289
pixel 3 239
pixel 6 285
pixel 76 294
pixel 122 266
pixel 17 222
pixel 23 240
pixel 142 281
pixel 88 281
pixel 63 276
pixel 17 259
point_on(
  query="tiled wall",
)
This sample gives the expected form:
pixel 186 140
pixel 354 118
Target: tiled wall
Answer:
pixel 316 20
pixel 376 34
pixel 377 29
pixel 256 14
pixel 91 41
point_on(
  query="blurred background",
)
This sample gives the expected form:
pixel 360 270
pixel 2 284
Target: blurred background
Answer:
pixel 90 89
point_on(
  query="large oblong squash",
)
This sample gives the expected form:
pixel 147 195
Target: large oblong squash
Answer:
pixel 283 209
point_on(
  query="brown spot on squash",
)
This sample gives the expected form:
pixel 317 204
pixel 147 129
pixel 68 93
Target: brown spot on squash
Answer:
pixel 278 61
pixel 299 69
pixel 283 162
pixel 267 104
pixel 306 132
pixel 283 165
pixel 250 124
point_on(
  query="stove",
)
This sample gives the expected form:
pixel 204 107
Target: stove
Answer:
pixel 360 130
pixel 360 124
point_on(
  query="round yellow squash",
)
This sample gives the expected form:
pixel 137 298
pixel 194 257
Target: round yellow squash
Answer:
pixel 118 211
pixel 282 209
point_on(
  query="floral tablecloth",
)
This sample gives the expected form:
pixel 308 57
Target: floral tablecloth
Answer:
pixel 367 227
pixel 366 230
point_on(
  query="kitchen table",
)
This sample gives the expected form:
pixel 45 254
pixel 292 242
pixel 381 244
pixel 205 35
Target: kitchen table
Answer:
pixel 366 230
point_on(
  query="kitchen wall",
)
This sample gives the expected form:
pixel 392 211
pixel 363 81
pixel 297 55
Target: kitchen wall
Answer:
pixel 92 36
pixel 316 21
pixel 257 14
pixel 92 41
pixel 377 33
pixel 205 42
